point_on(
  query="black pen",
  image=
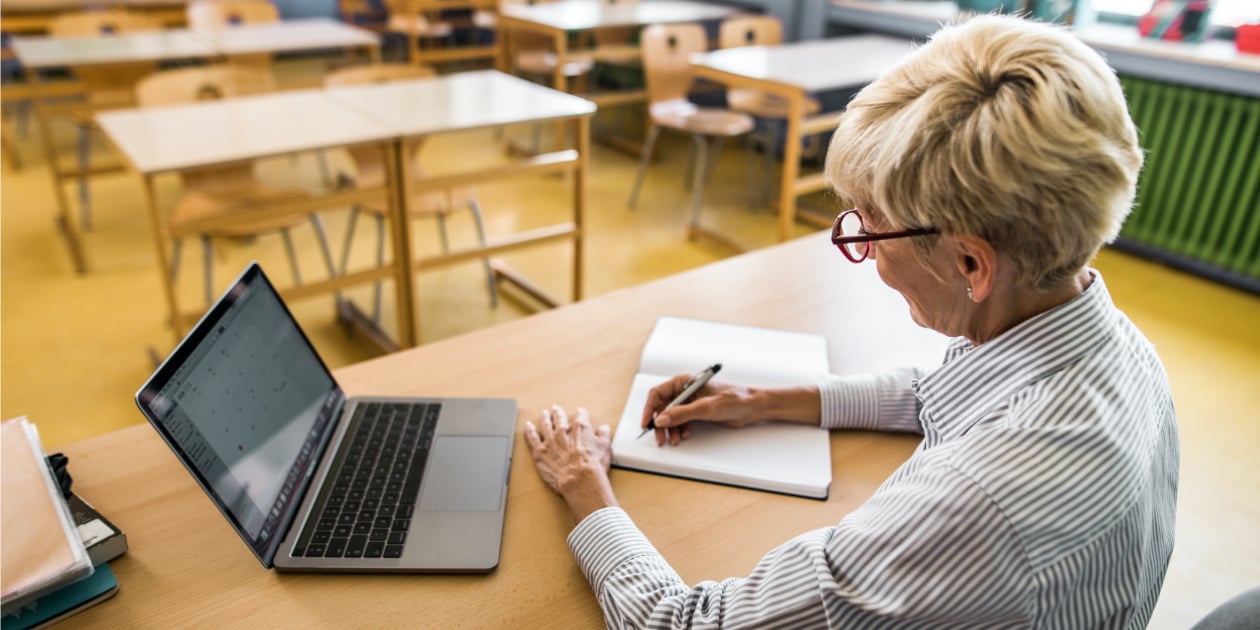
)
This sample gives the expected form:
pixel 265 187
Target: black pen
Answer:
pixel 693 386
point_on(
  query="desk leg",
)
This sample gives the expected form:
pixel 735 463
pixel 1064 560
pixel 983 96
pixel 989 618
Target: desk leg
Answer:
pixel 583 137
pixel 503 60
pixel 400 186
pixel 65 224
pixel 560 82
pixel 161 236
pixel 791 165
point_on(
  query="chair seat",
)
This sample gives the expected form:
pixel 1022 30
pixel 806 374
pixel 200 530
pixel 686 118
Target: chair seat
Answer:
pixel 685 116
pixel 624 54
pixel 544 62
pixel 764 104
pixel 485 19
pixel 235 201
pixel 417 25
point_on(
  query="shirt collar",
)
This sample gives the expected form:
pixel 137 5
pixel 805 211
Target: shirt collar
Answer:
pixel 974 379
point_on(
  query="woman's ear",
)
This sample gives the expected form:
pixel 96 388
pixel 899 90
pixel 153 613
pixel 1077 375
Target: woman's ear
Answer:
pixel 976 261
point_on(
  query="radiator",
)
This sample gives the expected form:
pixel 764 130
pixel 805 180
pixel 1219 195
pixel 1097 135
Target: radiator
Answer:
pixel 1199 194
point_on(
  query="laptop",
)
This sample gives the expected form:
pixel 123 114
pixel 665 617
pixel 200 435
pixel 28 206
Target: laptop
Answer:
pixel 313 480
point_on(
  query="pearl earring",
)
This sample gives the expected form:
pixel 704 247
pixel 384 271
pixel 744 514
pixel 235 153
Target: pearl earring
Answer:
pixel 969 295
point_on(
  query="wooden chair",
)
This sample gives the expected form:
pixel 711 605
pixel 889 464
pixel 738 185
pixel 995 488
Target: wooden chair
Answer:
pixel 363 14
pixel 371 173
pixel 532 55
pixel 229 190
pixel 667 49
pixel 105 87
pixel 209 15
pixel 759 30
pixel 409 18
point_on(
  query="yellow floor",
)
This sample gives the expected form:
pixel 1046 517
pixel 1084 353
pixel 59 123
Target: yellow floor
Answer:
pixel 74 348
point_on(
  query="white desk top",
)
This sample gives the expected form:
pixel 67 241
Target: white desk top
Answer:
pixel 31 6
pixel 45 52
pixel 307 34
pixel 458 102
pixel 812 65
pixel 312 34
pixel 578 15
pixel 162 139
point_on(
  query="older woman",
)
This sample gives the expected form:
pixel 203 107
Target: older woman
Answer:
pixel 986 171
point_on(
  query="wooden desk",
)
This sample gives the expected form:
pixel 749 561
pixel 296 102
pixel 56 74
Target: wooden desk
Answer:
pixel 182 138
pixel 793 71
pixel 289 36
pixel 39 53
pixel 557 20
pixel 186 567
pixel 475 100
pixel 35 16
pixel 168 45
pixel 220 133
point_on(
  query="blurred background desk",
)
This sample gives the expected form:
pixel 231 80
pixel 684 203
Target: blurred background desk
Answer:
pixel 186 567
pixel 794 71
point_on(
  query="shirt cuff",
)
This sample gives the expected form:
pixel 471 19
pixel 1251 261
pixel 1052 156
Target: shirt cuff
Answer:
pixel 872 402
pixel 604 540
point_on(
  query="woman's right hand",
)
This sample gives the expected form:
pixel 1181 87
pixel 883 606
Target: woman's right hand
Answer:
pixel 720 403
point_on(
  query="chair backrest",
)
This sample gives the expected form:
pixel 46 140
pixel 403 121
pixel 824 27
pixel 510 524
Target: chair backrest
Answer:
pixel 750 30
pixel 211 14
pixel 370 156
pixel 100 23
pixel 111 85
pixel 378 73
pixel 667 49
pixel 204 83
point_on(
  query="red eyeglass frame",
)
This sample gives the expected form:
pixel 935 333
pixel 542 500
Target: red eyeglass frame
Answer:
pixel 840 240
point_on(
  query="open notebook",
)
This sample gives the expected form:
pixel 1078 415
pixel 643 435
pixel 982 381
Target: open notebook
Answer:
pixel 778 457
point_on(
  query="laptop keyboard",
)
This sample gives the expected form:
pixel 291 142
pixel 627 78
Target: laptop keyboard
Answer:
pixel 366 509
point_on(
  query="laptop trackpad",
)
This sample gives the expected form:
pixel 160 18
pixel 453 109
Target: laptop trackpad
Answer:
pixel 467 474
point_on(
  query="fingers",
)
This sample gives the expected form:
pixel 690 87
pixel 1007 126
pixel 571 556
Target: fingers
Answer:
pixel 531 437
pixel 561 418
pixel 661 395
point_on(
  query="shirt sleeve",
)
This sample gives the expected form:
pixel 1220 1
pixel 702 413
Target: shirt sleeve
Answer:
pixel 923 553
pixel 878 402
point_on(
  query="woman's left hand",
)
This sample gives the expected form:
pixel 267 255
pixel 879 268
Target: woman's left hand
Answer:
pixel 572 457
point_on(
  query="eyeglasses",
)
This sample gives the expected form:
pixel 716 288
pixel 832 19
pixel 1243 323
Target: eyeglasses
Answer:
pixel 854 242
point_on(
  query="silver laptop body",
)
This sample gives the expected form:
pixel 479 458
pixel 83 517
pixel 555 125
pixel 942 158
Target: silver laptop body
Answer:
pixel 253 413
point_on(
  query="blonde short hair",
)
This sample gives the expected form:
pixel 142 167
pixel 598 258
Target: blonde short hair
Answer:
pixel 1002 128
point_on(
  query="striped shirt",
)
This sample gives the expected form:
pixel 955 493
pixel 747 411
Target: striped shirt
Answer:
pixel 1042 495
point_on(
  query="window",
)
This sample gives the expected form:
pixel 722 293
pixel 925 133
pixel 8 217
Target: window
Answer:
pixel 1224 12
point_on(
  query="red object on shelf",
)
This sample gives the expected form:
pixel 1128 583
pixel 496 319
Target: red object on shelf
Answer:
pixel 1247 38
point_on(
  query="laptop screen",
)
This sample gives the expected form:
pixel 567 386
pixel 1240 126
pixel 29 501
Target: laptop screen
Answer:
pixel 247 404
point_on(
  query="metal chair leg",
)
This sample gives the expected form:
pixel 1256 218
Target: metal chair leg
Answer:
pixel 207 252
pixel 767 173
pixel 85 161
pixel 710 164
pixel 288 247
pixel 475 208
pixel 322 236
pixel 697 184
pixel 442 235
pixel 690 172
pixel 176 248
pixel 380 262
pixel 646 157
pixel 345 251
